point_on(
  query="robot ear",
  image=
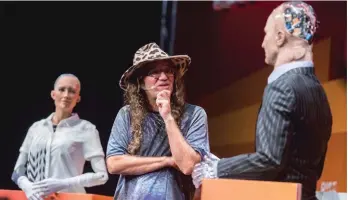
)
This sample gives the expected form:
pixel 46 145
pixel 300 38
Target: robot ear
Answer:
pixel 280 38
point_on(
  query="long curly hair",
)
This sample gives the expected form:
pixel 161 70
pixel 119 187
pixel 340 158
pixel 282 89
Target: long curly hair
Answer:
pixel 136 98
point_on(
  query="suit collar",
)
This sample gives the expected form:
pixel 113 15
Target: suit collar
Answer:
pixel 282 69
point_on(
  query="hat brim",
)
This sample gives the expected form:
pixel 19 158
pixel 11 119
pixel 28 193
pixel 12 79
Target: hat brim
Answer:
pixel 183 59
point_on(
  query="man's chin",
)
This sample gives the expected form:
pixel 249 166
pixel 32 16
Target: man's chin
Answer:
pixel 268 62
pixel 158 90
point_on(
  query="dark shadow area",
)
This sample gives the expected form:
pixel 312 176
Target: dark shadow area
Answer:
pixel 40 40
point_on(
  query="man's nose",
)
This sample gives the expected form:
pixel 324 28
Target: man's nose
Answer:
pixel 163 76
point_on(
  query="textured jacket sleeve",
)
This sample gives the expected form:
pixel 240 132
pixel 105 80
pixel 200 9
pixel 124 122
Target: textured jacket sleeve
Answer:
pixel 273 136
pixel 20 166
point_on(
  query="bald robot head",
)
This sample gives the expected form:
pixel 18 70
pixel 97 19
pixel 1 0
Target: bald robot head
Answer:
pixel 289 32
pixel 66 93
pixel 67 75
pixel 298 19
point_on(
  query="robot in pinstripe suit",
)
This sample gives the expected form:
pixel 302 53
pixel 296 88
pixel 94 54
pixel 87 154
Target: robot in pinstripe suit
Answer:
pixel 294 122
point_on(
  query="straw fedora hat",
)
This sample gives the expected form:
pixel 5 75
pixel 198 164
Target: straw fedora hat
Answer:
pixel 149 53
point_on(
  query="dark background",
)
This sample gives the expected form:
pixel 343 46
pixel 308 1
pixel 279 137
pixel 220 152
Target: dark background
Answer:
pixel 95 41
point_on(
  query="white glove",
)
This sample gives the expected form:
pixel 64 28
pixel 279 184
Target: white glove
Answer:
pixel 88 179
pixel 49 186
pixel 206 169
pixel 27 188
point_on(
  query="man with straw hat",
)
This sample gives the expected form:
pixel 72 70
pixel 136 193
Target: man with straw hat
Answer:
pixel 157 137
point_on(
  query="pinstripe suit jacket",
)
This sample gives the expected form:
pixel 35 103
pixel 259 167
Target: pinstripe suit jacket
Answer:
pixel 292 132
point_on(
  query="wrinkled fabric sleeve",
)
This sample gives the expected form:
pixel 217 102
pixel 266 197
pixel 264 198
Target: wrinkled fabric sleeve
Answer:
pixel 92 146
pixel 197 135
pixel 119 137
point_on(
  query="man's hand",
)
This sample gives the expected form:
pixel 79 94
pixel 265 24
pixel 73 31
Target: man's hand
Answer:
pixel 172 163
pixel 205 169
pixel 163 104
pixel 49 186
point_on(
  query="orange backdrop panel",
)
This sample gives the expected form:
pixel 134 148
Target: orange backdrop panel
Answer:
pixel 334 176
